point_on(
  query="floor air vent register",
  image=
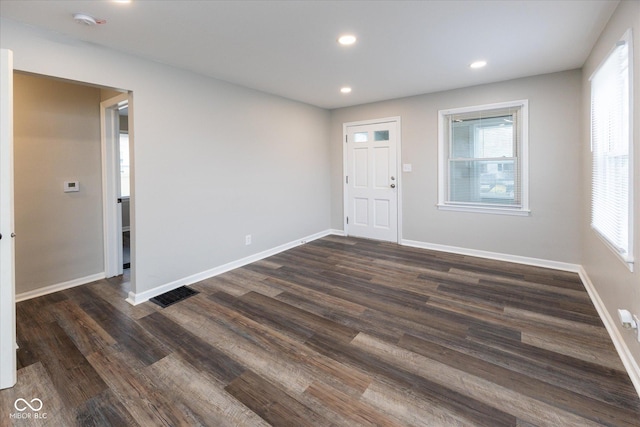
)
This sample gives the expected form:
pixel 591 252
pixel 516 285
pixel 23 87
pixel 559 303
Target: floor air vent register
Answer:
pixel 174 296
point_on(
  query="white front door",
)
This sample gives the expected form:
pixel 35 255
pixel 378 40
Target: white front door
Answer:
pixel 371 182
pixel 7 249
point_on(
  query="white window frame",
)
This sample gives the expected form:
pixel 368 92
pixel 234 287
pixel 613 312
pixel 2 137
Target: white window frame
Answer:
pixel 522 160
pixel 625 254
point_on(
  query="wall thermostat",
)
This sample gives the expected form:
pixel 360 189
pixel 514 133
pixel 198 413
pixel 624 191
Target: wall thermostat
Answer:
pixel 71 186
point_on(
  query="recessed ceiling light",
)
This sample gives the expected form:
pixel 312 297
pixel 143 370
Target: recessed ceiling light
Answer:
pixel 478 64
pixel 347 39
pixel 345 89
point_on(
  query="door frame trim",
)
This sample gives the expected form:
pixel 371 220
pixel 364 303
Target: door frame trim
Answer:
pixel 345 189
pixel 8 345
pixel 112 219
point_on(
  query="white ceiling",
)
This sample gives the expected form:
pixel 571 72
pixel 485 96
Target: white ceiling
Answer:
pixel 289 48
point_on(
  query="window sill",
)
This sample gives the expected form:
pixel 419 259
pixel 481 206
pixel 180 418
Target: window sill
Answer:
pixel 627 261
pixel 485 210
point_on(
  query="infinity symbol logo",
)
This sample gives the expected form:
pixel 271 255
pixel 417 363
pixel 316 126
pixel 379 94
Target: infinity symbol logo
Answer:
pixel 36 407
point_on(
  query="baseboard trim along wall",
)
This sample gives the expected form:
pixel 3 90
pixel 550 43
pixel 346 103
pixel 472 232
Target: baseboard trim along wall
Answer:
pixel 537 262
pixel 141 297
pixel 59 287
pixel 335 232
pixel 628 361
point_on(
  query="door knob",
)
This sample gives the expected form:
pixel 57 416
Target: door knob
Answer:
pixel 393 186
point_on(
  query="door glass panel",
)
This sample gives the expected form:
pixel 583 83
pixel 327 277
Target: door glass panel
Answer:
pixel 361 136
pixel 381 135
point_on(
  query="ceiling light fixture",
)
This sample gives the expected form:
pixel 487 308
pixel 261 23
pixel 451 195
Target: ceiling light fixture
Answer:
pixel 83 18
pixel 345 89
pixel 478 64
pixel 347 39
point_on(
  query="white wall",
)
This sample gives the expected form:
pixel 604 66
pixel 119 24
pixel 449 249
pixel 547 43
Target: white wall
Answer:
pixel 56 139
pixel 616 285
pixel 552 230
pixel 213 161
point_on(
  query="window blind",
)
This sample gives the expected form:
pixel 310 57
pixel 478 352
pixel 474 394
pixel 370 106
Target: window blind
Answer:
pixel 610 146
pixel 483 163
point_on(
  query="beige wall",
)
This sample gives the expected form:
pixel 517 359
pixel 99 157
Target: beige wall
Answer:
pixel 56 139
pixel 616 285
pixel 552 230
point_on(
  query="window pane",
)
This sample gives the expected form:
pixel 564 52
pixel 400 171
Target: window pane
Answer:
pixel 483 181
pixel 361 137
pixel 381 135
pixel 483 138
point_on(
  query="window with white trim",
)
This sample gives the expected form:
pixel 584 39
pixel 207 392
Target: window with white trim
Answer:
pixel 483 158
pixel 612 166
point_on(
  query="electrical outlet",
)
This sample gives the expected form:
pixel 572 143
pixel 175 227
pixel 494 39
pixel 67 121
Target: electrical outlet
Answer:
pixel 247 239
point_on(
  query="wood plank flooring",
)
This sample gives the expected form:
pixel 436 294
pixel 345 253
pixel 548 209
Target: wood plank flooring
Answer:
pixel 337 332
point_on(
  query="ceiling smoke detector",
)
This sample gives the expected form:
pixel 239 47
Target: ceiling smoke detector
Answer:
pixel 83 18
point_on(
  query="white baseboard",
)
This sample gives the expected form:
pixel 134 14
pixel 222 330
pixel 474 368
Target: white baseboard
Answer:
pixel 336 232
pixel 141 297
pixel 536 262
pixel 627 358
pixel 59 287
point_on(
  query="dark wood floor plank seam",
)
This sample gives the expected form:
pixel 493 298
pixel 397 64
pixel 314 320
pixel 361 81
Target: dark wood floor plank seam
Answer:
pixel 476 388
pixel 593 409
pixel 475 411
pixel 557 369
pixel 192 348
pixel 296 353
pixel 271 403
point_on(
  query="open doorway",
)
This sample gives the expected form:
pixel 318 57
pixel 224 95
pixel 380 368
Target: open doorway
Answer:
pixel 116 166
pixel 59 183
pixel 125 184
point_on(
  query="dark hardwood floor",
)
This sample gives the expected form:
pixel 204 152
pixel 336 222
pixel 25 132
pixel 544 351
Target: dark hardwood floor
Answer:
pixel 337 332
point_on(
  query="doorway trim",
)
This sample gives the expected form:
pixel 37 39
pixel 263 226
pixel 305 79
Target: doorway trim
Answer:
pixel 345 168
pixel 111 213
pixel 8 344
